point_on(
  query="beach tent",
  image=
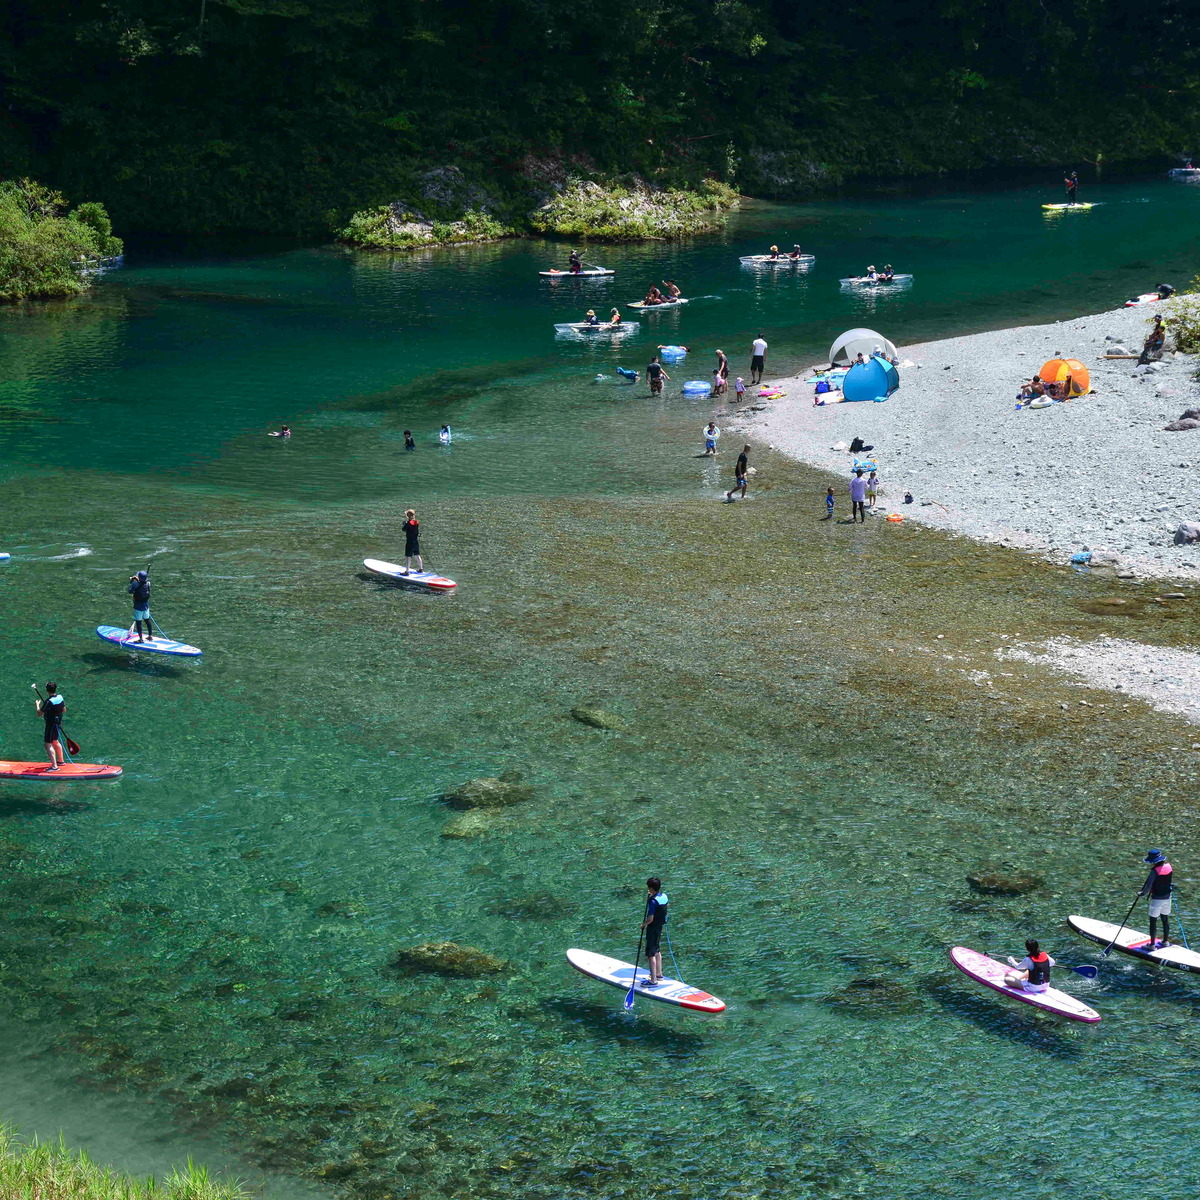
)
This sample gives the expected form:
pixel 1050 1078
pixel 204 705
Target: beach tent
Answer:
pixel 876 379
pixel 1058 369
pixel 859 341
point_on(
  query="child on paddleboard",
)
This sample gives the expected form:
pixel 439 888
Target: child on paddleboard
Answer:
pixel 1032 973
pixel 51 711
pixel 412 541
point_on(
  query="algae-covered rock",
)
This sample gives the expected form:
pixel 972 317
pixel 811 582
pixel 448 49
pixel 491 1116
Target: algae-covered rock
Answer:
pixel 488 793
pixel 449 958
pixel 993 883
pixel 475 822
pixel 597 718
pixel 872 995
pixel 346 909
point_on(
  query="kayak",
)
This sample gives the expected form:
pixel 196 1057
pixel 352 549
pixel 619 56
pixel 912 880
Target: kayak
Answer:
pixel 41 770
pixel 1133 943
pixel 603 327
pixel 641 304
pixel 866 281
pixel 784 260
pixel 991 974
pixel 425 579
pixel 618 974
pixel 589 271
pixel 155 645
pixel 1144 298
pixel 1066 207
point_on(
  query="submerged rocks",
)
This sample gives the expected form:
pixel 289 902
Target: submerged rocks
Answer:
pixel 874 995
pixel 449 958
pixel 476 822
pixel 488 792
pixel 597 718
pixel 993 883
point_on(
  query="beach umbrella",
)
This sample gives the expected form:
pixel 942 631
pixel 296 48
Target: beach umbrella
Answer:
pixel 1058 369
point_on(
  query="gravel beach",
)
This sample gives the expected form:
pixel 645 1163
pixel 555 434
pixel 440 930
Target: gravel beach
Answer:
pixel 1098 472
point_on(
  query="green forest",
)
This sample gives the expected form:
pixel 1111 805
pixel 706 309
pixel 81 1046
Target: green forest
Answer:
pixel 288 116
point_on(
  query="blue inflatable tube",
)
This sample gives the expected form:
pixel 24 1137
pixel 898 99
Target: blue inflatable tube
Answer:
pixel 672 353
pixel 696 387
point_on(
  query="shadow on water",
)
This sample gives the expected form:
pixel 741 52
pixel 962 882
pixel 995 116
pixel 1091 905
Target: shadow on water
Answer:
pixel 440 388
pixel 12 807
pixel 609 1024
pixel 99 663
pixel 1024 1028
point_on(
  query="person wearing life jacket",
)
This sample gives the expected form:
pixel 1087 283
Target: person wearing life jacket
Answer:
pixel 139 589
pixel 1032 973
pixel 654 923
pixel 795 254
pixel 51 711
pixel 575 262
pixel 1158 888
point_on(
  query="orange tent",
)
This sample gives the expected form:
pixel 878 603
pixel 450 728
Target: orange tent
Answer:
pixel 1059 369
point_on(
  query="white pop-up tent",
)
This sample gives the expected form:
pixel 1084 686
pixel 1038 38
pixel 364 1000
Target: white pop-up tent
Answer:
pixel 859 341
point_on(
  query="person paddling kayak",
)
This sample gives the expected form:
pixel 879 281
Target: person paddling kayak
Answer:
pixel 1032 973
pixel 654 923
pixel 1158 887
pixel 51 711
pixel 139 589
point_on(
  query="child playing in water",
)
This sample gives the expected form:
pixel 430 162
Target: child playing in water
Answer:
pixel 711 433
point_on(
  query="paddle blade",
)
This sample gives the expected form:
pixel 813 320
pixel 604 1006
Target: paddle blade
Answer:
pixel 629 1000
pixel 72 746
pixel 1086 972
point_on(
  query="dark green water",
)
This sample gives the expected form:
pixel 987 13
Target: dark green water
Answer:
pixel 809 768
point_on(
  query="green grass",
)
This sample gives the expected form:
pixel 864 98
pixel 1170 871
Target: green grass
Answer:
pixel 49 1171
pixel 634 212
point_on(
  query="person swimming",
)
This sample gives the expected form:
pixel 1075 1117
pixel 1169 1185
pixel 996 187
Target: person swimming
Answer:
pixel 284 431
pixel 445 436
pixel 627 375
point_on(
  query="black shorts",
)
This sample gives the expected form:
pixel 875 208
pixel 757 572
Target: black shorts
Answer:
pixel 756 363
pixel 653 940
pixel 52 734
pixel 411 549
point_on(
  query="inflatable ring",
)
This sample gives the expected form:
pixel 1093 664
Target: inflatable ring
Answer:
pixel 696 387
pixel 896 518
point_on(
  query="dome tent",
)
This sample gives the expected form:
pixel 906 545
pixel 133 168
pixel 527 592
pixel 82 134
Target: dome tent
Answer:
pixel 876 379
pixel 1070 371
pixel 859 341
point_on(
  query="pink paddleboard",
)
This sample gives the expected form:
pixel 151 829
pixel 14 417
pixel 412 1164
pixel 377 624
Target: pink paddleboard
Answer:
pixel 991 974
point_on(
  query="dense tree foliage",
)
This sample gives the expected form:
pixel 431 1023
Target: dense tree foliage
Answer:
pixel 289 114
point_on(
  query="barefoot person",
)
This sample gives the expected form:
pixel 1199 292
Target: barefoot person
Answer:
pixel 654 923
pixel 711 433
pixel 739 474
pixel 1158 887
pixel 412 541
pixel 51 711
pixel 656 374
pixel 758 359
pixel 1032 973
pixel 139 589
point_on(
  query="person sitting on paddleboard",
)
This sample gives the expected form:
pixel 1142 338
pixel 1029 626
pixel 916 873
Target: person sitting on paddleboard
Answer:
pixel 774 252
pixel 888 273
pixel 1158 888
pixel 1072 185
pixel 795 251
pixel 653 296
pixel 575 261
pixel 51 711
pixel 672 290
pixel 412 541
pixel 654 923
pixel 615 318
pixel 139 589
pixel 590 318
pixel 872 275
pixel 1032 973
pixel 656 374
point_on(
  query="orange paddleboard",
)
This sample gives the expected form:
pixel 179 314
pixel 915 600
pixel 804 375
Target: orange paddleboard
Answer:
pixel 41 770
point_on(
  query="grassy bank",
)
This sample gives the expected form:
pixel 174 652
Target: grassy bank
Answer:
pixel 396 227
pixel 49 1171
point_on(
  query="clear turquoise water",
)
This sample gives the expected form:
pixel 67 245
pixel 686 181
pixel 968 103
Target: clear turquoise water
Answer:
pixel 801 761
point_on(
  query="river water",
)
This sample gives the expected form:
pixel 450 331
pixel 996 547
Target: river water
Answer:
pixel 196 959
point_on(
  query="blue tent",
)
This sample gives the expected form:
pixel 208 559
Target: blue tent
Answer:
pixel 876 379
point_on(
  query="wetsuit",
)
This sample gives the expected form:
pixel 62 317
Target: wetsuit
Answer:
pixel 1158 887
pixel 53 708
pixel 412 538
pixel 656 914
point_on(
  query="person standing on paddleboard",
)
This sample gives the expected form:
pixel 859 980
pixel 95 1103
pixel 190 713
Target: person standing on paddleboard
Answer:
pixel 1072 185
pixel 412 541
pixel 139 589
pixel 653 923
pixel 1032 973
pixel 1158 887
pixel 51 711
pixel 575 262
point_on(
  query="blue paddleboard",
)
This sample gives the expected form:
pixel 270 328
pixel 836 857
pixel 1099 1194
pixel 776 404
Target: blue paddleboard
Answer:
pixel 155 645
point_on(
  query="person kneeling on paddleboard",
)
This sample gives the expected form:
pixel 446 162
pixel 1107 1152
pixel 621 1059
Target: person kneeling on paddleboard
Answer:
pixel 1158 887
pixel 412 541
pixel 653 924
pixel 139 589
pixel 1032 973
pixel 51 711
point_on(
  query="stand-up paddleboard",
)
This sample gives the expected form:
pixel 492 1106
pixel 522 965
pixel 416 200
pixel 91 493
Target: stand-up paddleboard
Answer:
pixel 1144 298
pixel 642 306
pixel 1135 944
pixel 1066 207
pixel 569 274
pixel 1184 171
pixel 155 645
pixel 425 579
pixel 991 974
pixel 619 974
pixel 603 327
pixel 68 771
pixel 867 281
pixel 784 260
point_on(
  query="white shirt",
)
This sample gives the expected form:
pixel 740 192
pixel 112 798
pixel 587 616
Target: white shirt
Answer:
pixel 760 347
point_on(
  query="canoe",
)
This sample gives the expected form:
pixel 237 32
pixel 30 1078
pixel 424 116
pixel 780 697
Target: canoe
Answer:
pixel 588 272
pixel 603 327
pixel 1135 944
pixel 864 281
pixel 641 304
pixel 990 973
pixel 784 260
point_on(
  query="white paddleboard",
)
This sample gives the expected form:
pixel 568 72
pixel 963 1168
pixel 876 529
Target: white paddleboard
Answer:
pixel 425 579
pixel 1144 298
pixel 155 645
pixel 991 974
pixel 1134 943
pixel 618 974
pixel 603 327
pixel 553 274
pixel 642 306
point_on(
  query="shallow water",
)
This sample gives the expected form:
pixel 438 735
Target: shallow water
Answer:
pixel 812 771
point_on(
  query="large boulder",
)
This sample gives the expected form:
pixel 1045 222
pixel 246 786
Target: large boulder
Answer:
pixel 1189 420
pixel 488 793
pixel 1187 533
pixel 449 958
pixel 597 718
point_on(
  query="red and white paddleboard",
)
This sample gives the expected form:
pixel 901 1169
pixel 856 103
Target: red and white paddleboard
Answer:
pixel 425 579
pixel 991 974
pixel 619 974
pixel 41 770
pixel 1144 298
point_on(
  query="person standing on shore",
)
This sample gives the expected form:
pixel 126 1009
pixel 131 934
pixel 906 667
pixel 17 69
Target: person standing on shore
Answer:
pixel 1158 887
pixel 829 504
pixel 739 389
pixel 739 474
pixel 758 359
pixel 858 496
pixel 139 589
pixel 872 489
pixel 654 922
pixel 51 711
pixel 412 541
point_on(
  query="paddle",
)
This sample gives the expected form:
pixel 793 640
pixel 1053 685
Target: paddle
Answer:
pixel 1088 972
pixel 1120 927
pixel 72 747
pixel 636 960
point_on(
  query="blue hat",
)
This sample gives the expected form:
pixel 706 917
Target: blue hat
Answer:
pixel 1155 856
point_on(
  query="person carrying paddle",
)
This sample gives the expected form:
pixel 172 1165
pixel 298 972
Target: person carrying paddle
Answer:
pixel 654 923
pixel 412 541
pixel 1072 186
pixel 51 711
pixel 1032 973
pixel 575 261
pixel 1158 887
pixel 139 589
